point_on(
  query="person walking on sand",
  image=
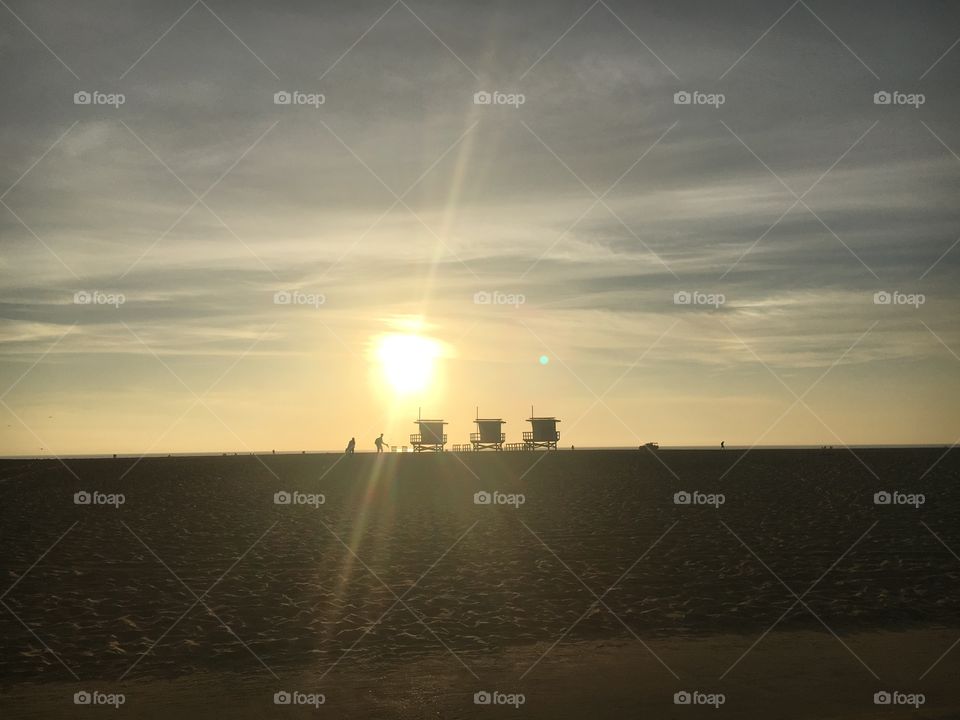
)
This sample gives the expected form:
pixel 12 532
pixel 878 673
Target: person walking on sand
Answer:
pixel 723 445
pixel 379 443
pixel 350 446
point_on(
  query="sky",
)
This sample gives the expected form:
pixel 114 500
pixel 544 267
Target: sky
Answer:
pixel 477 207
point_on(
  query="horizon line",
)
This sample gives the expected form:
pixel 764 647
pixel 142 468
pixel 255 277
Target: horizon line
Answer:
pixel 572 448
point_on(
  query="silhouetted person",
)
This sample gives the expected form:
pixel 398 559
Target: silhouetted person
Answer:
pixel 379 443
pixel 350 446
pixel 723 445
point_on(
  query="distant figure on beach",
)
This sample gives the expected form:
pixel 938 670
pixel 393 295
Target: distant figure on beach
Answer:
pixel 379 443
pixel 723 445
pixel 350 446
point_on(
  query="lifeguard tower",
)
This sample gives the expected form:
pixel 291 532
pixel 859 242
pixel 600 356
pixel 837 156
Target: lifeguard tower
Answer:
pixel 431 436
pixel 543 433
pixel 489 435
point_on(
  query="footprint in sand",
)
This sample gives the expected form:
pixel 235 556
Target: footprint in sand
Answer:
pixel 129 623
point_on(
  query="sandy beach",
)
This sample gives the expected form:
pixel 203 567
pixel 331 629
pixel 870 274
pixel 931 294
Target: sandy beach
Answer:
pixel 789 675
pixel 389 586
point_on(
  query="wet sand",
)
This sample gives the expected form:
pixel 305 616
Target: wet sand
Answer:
pixel 146 591
pixel 788 675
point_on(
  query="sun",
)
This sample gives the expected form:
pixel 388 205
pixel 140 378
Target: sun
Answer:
pixel 408 361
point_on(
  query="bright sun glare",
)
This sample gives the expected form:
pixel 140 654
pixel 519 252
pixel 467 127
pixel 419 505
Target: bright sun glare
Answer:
pixel 407 361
